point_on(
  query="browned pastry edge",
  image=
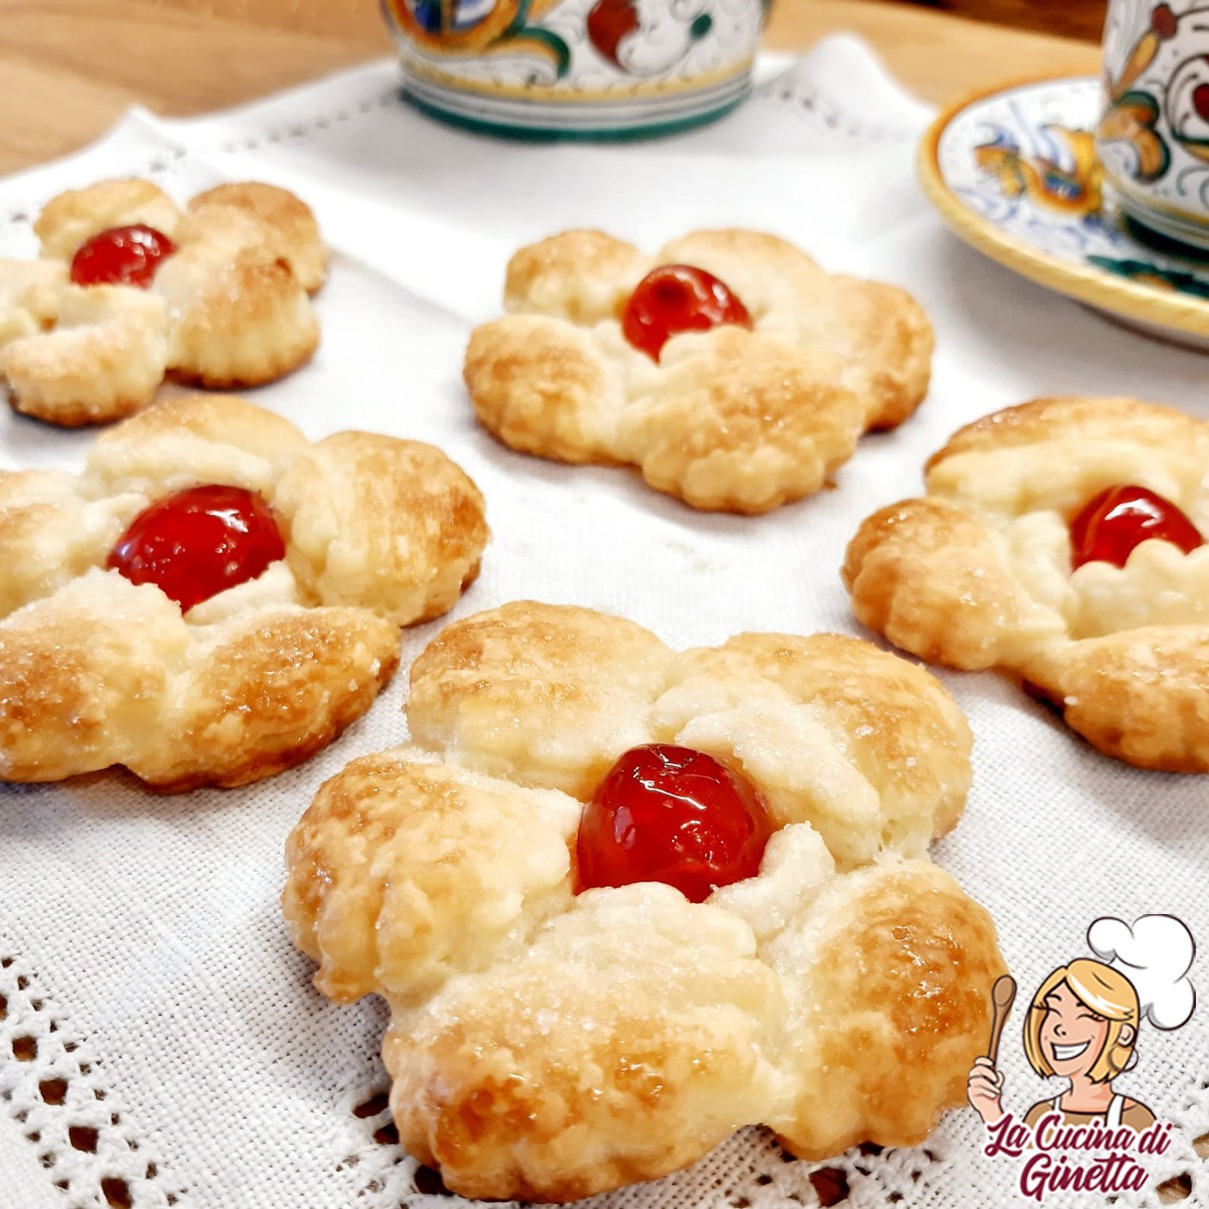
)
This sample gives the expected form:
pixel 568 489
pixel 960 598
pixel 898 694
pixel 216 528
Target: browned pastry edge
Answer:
pixel 81 415
pixel 1118 417
pixel 1141 696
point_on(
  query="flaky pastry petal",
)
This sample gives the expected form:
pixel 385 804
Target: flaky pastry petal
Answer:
pixel 549 695
pixel 631 1038
pixel 404 872
pixel 867 748
pixel 50 534
pixel 239 316
pixel 757 266
pixel 105 672
pixel 30 294
pixel 291 229
pixel 264 692
pixel 741 423
pixel 1030 460
pixel 193 439
pixel 542 388
pixel 103 359
pixel 86 676
pixel 581 276
pixel 930 576
pixel 381 523
pixel 1081 418
pixel 889 978
pixel 884 338
pixel 74 217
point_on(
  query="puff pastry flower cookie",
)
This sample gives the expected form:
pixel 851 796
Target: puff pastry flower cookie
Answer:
pixel 729 367
pixel 215 597
pixel 1064 541
pixel 622 901
pixel 129 289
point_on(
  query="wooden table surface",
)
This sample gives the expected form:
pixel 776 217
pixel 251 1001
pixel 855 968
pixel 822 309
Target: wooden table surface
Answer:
pixel 68 68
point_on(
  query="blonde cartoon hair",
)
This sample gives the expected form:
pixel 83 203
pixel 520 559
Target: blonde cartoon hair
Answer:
pixel 1100 989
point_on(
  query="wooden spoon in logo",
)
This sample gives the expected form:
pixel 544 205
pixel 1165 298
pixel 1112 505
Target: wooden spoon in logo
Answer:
pixel 1003 995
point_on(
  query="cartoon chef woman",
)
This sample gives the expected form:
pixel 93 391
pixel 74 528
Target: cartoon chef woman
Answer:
pixel 1083 1022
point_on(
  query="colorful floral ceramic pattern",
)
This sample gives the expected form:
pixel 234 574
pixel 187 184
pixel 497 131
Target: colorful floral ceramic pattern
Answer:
pixel 1154 136
pixel 578 66
pixel 1015 173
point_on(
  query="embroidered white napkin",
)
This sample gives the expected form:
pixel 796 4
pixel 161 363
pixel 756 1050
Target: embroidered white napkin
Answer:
pixel 159 1039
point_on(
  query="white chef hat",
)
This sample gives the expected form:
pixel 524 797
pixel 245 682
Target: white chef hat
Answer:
pixel 1155 954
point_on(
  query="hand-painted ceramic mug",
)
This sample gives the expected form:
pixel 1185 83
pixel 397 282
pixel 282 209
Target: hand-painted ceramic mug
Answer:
pixel 577 68
pixel 1153 137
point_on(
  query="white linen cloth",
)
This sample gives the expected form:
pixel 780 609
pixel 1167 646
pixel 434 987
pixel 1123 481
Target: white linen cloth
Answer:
pixel 142 953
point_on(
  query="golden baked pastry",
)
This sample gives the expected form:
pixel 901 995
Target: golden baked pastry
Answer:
pixel 1028 555
pixel 100 666
pixel 89 331
pixel 553 1035
pixel 742 416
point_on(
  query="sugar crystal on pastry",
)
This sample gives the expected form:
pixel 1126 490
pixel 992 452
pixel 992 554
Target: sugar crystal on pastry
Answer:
pixel 89 331
pixel 252 671
pixel 549 1044
pixel 729 367
pixel 995 567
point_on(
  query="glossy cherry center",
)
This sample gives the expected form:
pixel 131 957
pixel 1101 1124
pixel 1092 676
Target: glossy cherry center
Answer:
pixel 673 815
pixel 199 542
pixel 1112 523
pixel 121 256
pixel 678 298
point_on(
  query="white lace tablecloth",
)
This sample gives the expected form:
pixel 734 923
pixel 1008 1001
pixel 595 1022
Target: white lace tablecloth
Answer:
pixel 160 1043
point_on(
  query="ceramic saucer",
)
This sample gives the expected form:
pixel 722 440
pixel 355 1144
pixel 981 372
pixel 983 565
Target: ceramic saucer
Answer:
pixel 1014 173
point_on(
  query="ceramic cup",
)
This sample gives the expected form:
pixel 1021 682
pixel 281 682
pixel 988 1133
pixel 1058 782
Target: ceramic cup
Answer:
pixel 577 68
pixel 1153 137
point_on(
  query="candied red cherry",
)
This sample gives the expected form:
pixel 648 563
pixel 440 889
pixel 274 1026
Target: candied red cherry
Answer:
pixel 678 298
pixel 121 256
pixel 199 542
pixel 673 815
pixel 1111 524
